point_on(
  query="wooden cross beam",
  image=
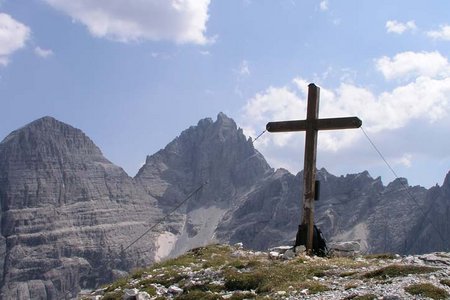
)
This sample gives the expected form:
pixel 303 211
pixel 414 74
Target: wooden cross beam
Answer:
pixel 312 125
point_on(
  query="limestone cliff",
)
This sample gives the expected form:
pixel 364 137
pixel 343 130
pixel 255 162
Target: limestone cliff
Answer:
pixel 66 213
pixel 216 152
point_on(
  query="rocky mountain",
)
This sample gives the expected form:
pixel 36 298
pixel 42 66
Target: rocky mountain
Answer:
pixel 214 152
pixel 67 213
pixel 247 201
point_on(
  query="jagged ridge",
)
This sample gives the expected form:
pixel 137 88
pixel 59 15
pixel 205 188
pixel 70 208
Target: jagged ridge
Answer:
pixel 66 210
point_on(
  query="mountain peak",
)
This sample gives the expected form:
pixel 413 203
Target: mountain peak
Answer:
pixel 46 119
pixel 49 136
pixel 446 183
pixel 226 122
pixel 223 117
pixel 45 122
pixel 214 151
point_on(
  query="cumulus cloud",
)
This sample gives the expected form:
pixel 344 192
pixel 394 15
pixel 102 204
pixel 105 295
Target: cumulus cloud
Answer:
pixel 244 69
pixel 442 34
pixel 393 26
pixel 323 5
pixel 405 160
pixel 181 21
pixel 409 64
pixel 44 53
pixel 13 36
pixel 424 100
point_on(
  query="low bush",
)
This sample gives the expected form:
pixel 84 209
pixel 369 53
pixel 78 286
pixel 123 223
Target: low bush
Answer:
pixel 427 290
pixel 399 270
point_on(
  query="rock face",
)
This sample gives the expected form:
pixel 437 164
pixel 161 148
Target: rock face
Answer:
pixel 214 152
pixel 432 229
pixel 66 213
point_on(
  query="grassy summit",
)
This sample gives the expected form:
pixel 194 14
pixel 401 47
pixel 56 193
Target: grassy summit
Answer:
pixel 229 272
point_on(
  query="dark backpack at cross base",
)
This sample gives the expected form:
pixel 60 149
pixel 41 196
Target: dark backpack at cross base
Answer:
pixel 319 242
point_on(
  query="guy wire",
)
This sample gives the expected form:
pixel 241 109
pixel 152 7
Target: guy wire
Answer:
pixel 405 187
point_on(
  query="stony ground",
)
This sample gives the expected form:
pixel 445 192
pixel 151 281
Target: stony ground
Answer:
pixel 230 272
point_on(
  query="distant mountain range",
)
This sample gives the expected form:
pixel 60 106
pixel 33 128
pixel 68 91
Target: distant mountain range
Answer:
pixel 68 214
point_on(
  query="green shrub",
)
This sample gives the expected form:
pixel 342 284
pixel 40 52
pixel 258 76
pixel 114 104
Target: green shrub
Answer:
pixel 427 290
pixel 380 256
pixel 241 296
pixel 445 282
pixel 113 296
pixel 196 294
pixel 151 290
pixel 348 274
pixel 243 281
pixel 120 283
pixel 315 287
pixel 399 270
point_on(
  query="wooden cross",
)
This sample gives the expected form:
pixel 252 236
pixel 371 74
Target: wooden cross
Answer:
pixel 312 125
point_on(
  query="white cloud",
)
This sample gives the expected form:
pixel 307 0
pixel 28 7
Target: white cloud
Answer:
pixel 323 5
pixel 399 27
pixel 274 104
pixel 161 55
pixel 423 100
pixel 182 21
pixel 408 65
pixel 13 36
pixel 242 72
pixel 44 53
pixel 442 34
pixel 405 160
pixel 244 69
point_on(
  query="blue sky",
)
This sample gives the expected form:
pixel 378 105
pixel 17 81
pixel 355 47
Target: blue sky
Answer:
pixel 133 74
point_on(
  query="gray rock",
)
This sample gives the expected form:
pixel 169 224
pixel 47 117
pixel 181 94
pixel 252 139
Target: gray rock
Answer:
pixel 143 296
pixel 66 212
pixel 289 254
pixel 173 289
pixel 348 246
pixel 130 294
pixel 300 249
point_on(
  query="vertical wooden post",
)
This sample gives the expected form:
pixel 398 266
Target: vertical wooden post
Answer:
pixel 309 171
pixel 311 126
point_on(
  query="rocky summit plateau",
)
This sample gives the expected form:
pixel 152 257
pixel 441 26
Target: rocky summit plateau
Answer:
pixel 69 216
pixel 219 272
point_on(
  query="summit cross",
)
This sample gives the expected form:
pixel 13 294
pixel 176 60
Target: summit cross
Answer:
pixel 311 126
